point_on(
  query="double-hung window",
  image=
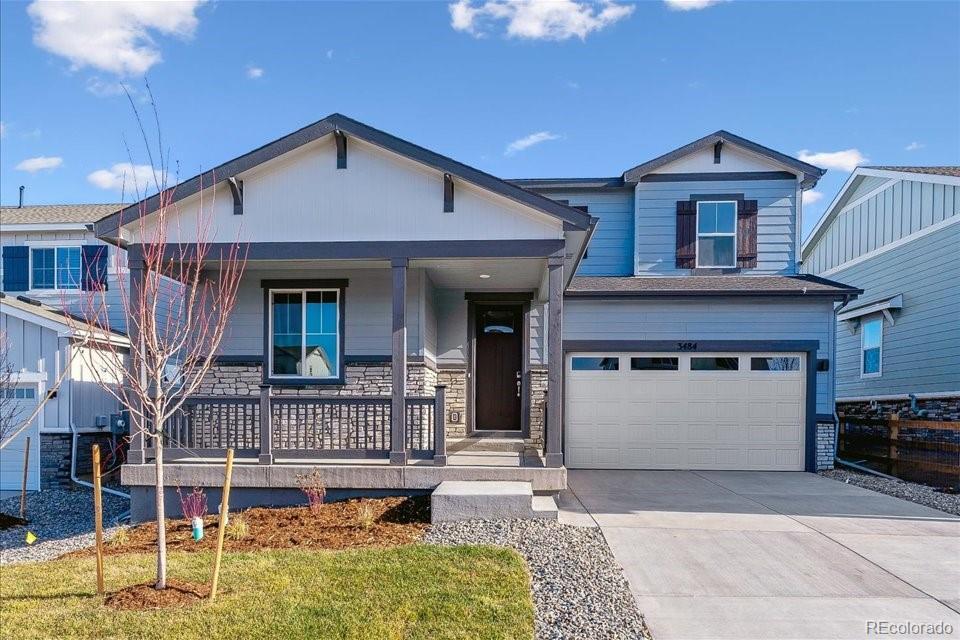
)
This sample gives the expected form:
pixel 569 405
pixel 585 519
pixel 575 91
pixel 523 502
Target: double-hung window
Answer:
pixel 871 347
pixel 305 333
pixel 55 268
pixel 717 234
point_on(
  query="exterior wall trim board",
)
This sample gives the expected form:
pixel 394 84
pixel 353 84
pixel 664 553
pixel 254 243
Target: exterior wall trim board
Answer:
pixel 718 177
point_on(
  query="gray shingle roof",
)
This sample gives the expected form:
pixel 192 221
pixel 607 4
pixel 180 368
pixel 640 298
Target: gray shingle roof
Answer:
pixel 932 171
pixel 56 213
pixel 53 314
pixel 721 285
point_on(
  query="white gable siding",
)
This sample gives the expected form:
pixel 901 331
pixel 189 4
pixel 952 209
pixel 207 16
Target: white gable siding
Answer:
pixel 303 197
pixel 732 159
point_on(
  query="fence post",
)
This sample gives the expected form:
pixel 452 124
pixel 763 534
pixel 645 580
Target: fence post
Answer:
pixel 98 516
pixel 893 434
pixel 439 427
pixel 266 426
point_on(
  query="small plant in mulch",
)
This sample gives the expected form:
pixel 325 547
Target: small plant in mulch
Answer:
pixel 366 516
pixel 120 537
pixel 194 504
pixel 311 485
pixel 8 522
pixel 140 597
pixel 237 527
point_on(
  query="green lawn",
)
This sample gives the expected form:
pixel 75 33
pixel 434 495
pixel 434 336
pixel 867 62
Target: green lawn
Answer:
pixel 416 591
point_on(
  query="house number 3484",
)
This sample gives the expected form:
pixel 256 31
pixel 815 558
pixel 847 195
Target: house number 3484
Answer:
pixel 687 346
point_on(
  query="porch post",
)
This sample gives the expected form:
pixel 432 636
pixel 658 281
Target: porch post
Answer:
pixel 553 444
pixel 266 426
pixel 439 426
pixel 136 454
pixel 398 408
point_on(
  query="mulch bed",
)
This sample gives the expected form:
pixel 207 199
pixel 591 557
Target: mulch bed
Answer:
pixel 390 522
pixel 143 596
pixel 7 521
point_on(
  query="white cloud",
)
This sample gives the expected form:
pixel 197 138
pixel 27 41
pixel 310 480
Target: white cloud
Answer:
pixel 913 146
pixel 40 163
pixel 254 72
pixel 528 141
pixel 125 177
pixel 329 54
pixel 811 196
pixel 846 160
pixel 116 37
pixel 537 19
pixel 691 5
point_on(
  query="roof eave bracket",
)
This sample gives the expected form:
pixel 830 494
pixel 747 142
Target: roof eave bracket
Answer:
pixel 236 188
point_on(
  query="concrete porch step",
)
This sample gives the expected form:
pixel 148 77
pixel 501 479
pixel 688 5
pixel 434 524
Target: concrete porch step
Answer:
pixel 474 444
pixel 455 500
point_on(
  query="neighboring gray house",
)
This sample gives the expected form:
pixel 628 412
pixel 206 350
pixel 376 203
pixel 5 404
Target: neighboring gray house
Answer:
pixel 41 341
pixel 405 319
pixel 895 232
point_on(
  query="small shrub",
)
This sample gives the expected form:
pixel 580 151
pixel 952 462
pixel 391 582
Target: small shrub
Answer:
pixel 366 517
pixel 312 487
pixel 194 504
pixel 121 537
pixel 237 527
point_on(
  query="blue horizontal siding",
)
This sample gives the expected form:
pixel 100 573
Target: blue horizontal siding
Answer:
pixel 656 223
pixel 611 250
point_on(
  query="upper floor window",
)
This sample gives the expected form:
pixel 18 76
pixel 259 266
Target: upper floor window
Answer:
pixel 55 268
pixel 305 333
pixel 717 234
pixel 871 347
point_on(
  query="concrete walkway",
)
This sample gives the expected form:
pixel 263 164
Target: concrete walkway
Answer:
pixel 744 555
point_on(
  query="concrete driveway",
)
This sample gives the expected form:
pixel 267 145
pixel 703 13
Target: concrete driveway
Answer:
pixel 742 555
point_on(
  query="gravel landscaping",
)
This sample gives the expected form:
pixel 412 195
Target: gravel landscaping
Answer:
pixel 921 494
pixel 61 519
pixel 579 590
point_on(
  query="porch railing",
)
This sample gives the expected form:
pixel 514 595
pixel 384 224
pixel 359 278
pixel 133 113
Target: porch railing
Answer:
pixel 290 427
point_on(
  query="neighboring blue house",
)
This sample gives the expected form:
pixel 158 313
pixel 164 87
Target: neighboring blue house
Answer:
pixel 441 323
pixel 894 232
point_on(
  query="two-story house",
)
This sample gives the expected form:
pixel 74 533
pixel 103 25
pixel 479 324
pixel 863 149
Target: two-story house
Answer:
pixel 894 232
pixel 49 258
pixel 437 322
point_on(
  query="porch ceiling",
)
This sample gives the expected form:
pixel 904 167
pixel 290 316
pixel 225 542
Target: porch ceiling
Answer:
pixel 505 274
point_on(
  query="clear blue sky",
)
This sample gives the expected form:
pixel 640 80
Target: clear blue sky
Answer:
pixel 879 79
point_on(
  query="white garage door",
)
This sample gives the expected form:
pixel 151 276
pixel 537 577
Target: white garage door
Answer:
pixel 19 403
pixel 685 411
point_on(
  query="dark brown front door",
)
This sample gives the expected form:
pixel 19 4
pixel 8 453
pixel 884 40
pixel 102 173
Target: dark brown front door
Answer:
pixel 497 367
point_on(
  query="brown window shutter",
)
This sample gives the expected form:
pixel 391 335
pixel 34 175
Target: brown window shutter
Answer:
pixel 686 234
pixel 747 234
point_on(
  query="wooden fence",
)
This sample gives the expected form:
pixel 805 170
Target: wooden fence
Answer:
pixel 925 451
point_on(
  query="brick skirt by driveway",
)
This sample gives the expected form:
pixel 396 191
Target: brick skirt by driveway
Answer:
pixel 746 555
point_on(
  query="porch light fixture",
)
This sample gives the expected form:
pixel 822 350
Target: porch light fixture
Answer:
pixel 484 276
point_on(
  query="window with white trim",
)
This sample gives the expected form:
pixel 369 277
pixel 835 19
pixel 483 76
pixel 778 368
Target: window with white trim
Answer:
pixel 305 339
pixel 717 233
pixel 871 347
pixel 55 268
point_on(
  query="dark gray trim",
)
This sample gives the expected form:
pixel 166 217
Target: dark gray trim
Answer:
pixel 498 296
pixel 582 253
pixel 704 346
pixel 341 142
pixel 270 285
pixel 239 360
pixel 451 366
pixel 826 417
pixel 809 347
pixel 305 283
pixel 701 197
pixel 375 359
pixel 334 122
pixel 717 150
pixel 680 293
pixel 366 250
pixel 715 271
pixel 447 193
pixel 724 176
pixel 525 385
pixel 398 411
pixel 538 184
pixel 236 188
pixel 811 173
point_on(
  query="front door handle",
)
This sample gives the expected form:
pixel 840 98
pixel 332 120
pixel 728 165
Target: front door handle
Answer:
pixel 519 384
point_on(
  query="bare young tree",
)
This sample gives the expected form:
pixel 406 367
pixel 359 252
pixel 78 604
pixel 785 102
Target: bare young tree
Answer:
pixel 177 297
pixel 10 408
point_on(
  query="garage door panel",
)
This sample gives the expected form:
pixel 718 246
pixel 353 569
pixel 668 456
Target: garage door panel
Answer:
pixel 661 418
